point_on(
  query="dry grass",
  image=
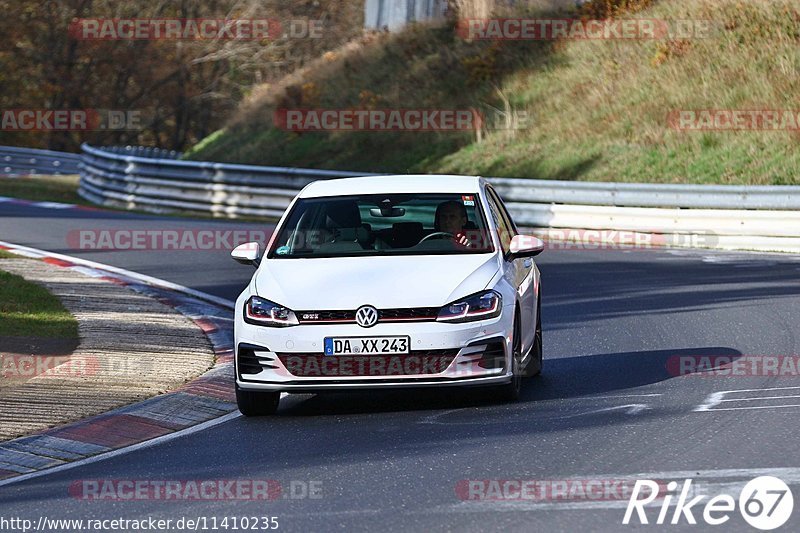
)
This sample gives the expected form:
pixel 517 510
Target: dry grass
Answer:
pixel 596 110
pixel 599 111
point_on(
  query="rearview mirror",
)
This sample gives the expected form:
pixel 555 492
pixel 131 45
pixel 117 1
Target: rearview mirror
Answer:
pixel 390 212
pixel 248 253
pixel 525 246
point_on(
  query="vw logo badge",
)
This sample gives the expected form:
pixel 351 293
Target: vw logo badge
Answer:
pixel 366 316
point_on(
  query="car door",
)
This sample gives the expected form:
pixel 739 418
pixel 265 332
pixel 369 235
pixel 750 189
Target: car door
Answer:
pixel 519 272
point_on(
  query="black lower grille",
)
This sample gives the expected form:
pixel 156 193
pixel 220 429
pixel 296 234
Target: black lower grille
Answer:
pixel 494 356
pixel 414 363
pixel 248 363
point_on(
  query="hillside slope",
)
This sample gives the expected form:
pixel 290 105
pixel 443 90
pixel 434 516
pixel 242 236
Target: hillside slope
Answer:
pixel 585 110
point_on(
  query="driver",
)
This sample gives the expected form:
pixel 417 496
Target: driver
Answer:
pixel 451 217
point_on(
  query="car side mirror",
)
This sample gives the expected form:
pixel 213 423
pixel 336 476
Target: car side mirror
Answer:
pixel 525 246
pixel 248 253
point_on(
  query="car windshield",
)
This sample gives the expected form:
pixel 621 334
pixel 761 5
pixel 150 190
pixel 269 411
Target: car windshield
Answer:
pixel 387 224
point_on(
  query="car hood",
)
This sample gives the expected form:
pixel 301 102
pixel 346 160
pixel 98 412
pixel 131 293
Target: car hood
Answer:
pixel 384 282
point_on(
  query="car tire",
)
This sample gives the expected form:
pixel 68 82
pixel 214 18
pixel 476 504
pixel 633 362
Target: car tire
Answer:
pixel 510 392
pixel 536 362
pixel 257 403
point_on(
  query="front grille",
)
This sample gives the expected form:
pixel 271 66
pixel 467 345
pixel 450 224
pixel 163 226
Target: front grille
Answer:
pixel 321 317
pixel 415 363
pixel 411 314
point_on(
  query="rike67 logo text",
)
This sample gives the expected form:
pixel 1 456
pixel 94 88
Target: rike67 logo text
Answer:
pixel 765 503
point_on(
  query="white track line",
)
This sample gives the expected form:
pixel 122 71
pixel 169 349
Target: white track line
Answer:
pixel 133 275
pixel 794 406
pixel 716 398
pixel 755 398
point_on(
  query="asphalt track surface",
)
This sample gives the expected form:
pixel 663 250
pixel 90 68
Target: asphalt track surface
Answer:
pixel 606 406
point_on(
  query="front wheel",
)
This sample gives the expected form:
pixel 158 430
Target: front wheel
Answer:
pixel 510 392
pixel 535 363
pixel 257 403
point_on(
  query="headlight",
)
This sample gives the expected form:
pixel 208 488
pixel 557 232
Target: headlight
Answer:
pixel 262 312
pixel 487 304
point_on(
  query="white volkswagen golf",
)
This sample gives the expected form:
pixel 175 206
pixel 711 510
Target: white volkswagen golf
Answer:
pixel 388 281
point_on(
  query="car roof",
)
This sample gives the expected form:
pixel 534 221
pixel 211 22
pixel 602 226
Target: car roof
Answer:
pixel 419 183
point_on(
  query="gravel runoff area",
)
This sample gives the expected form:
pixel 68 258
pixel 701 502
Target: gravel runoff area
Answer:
pixel 131 347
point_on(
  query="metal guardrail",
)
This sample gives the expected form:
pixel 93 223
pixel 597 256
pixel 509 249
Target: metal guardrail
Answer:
pixel 131 167
pixel 158 181
pixel 22 161
pixel 158 184
pixel 650 194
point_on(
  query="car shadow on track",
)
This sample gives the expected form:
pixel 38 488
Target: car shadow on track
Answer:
pixel 563 378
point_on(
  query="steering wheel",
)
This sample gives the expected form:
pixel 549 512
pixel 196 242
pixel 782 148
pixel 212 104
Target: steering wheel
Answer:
pixel 436 234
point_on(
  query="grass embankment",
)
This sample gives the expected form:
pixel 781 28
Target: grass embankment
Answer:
pixel 29 310
pixel 43 188
pixel 595 110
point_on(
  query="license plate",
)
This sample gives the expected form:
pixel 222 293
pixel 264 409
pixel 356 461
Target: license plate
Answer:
pixel 367 345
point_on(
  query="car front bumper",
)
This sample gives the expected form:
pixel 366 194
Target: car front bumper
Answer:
pixel 442 354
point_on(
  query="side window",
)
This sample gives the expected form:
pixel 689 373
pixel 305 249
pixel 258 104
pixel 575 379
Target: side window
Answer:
pixel 504 211
pixel 504 232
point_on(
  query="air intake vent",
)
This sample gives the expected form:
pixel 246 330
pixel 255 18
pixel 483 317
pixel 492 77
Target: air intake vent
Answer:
pixel 253 359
